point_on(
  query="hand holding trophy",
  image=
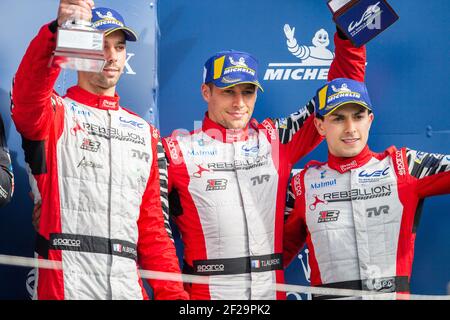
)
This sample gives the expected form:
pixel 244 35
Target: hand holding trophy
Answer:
pixel 79 46
pixel 362 20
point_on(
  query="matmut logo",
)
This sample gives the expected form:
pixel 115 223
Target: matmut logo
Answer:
pixel 315 59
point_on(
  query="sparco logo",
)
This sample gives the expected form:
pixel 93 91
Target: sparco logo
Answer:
pixel 210 268
pixel 400 164
pixel 269 129
pixel 66 242
pixel 297 185
pixel 172 149
pixel 314 60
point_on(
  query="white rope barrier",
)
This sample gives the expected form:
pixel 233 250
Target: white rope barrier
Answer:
pixel 159 275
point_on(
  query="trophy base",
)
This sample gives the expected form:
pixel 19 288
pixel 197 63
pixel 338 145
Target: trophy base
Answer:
pixel 69 60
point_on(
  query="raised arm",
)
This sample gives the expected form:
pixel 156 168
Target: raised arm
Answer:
pixel 34 102
pixel 298 128
pixel 349 61
pixel 432 171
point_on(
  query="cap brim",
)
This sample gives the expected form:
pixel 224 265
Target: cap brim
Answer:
pixel 130 35
pixel 347 102
pixel 224 86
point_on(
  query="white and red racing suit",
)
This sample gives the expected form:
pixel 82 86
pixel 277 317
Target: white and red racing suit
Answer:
pixel 97 168
pixel 359 216
pixel 229 192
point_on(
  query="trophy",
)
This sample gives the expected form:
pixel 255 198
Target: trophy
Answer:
pixel 362 20
pixel 79 46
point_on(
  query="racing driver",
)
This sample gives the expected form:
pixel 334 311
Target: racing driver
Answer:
pixel 359 211
pixel 97 168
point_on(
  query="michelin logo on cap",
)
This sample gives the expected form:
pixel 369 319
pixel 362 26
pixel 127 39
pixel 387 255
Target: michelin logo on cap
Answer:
pixel 228 68
pixel 341 91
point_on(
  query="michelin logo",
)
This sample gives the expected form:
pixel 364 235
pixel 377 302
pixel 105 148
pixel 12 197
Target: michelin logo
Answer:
pixel 314 63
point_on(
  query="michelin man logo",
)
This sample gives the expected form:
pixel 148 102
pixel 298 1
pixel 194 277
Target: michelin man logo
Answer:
pixel 108 15
pixel 239 63
pixel 314 59
pixel 315 55
pixel 343 88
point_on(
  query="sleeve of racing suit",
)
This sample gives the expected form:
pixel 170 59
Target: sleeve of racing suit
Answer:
pixel 298 128
pixel 432 171
pixel 156 249
pixel 32 95
pixel 6 174
pixel 294 234
pixel 349 61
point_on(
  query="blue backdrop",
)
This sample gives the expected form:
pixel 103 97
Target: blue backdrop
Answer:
pixel 407 76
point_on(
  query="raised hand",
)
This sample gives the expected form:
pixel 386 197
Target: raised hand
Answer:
pixel 70 10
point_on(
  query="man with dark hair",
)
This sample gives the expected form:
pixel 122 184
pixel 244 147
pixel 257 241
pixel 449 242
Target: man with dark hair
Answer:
pixel 101 214
pixel 358 212
pixel 228 179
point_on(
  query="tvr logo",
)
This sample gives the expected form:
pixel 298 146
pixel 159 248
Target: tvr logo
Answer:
pixel 141 155
pixel 377 211
pixel 260 179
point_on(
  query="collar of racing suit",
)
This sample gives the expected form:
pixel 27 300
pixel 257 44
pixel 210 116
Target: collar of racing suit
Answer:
pixel 218 132
pixel 93 100
pixel 343 164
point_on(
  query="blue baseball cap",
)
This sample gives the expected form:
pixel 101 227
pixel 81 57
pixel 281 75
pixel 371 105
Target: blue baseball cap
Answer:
pixel 229 68
pixel 110 20
pixel 339 92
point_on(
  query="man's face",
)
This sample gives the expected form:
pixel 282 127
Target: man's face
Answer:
pixel 231 107
pixel 346 130
pixel 115 56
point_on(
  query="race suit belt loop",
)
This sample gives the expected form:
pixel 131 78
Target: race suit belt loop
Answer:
pixel 384 285
pixel 84 243
pixel 240 265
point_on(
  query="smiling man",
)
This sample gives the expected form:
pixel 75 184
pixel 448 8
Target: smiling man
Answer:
pixel 358 212
pixel 97 170
pixel 228 179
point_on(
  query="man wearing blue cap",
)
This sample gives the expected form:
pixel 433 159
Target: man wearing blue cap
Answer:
pixel 101 214
pixel 358 212
pixel 228 179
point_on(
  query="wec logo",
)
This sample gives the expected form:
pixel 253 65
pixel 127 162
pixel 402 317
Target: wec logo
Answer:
pixel 370 19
